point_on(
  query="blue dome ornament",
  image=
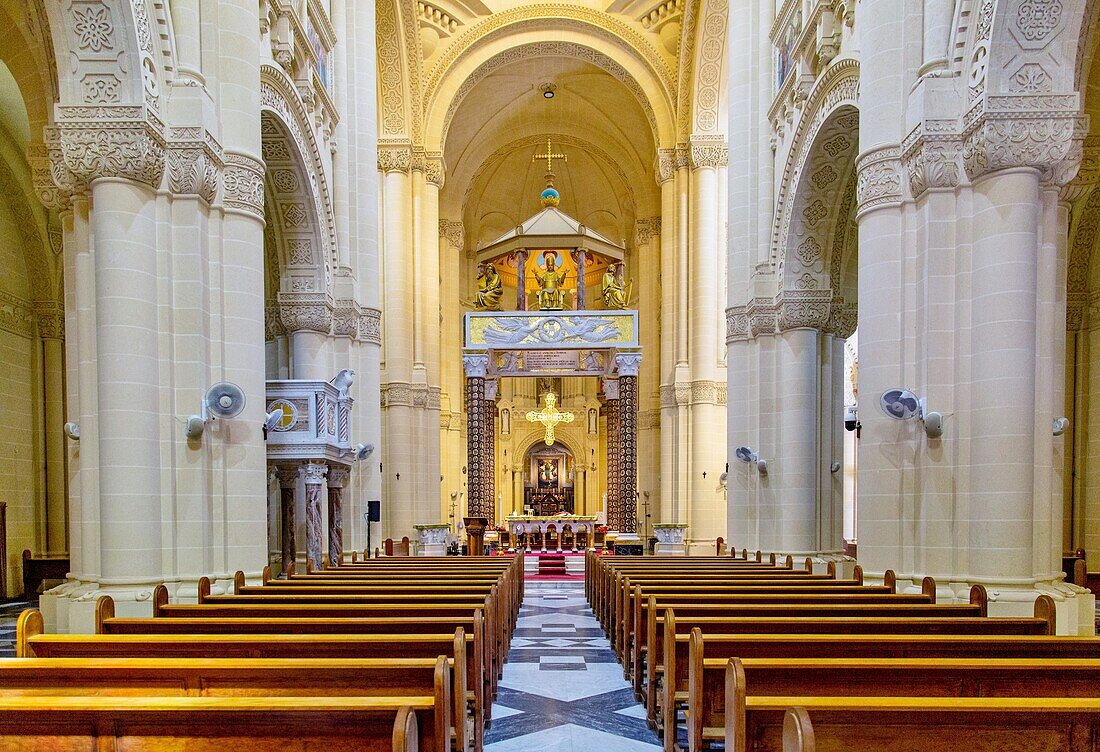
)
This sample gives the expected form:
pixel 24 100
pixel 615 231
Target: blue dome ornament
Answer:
pixel 550 196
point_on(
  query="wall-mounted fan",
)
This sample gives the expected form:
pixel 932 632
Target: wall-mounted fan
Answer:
pixel 748 456
pixel 223 400
pixel 902 404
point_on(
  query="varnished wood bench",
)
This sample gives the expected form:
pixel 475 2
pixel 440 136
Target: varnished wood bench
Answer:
pixel 715 682
pixel 259 678
pixel 972 724
pixel 667 673
pixel 458 646
pixel 209 724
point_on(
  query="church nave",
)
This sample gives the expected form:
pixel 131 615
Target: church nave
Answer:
pixel 563 690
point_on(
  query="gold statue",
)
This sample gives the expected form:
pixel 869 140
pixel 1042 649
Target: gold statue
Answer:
pixel 551 292
pixel 489 289
pixel 614 295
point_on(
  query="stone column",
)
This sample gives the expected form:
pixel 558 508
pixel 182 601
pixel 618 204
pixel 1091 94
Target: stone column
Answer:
pixel 288 484
pixel 337 481
pixel 582 269
pixel 476 367
pixel 628 365
pixel 313 473
pixel 51 330
pixel 614 455
pixel 521 276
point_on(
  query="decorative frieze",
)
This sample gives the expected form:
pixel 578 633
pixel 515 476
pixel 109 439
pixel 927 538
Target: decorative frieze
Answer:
pixel 16 315
pixel 244 184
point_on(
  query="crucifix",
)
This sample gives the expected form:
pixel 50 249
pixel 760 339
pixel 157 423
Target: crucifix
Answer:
pixel 550 417
pixel 549 156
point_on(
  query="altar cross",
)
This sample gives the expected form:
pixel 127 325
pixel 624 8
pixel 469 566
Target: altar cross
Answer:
pixel 549 156
pixel 550 416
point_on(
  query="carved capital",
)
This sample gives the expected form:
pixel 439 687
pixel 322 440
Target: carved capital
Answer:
pixel 842 320
pixel 665 166
pixel 305 312
pixel 804 309
pixel 878 181
pixel 475 366
pixel 50 317
pixel 763 316
pixel 1076 306
pixel 345 318
pixel 708 152
pixel 628 364
pixel 110 141
pixel 370 326
pixel 931 156
pixel 313 473
pixel 453 232
pixel 737 324
pixel 435 172
pixel 195 163
pixel 42 178
pixel 338 476
pixel 1089 173
pixel 395 157
pixel 244 184
pixel 1020 132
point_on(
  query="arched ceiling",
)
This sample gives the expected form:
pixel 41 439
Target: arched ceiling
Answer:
pixel 593 118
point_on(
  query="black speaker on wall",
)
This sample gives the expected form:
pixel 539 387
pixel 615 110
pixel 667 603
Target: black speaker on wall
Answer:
pixel 374 511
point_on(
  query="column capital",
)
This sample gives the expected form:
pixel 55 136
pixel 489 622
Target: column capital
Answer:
pixel 803 309
pixel 394 156
pixel 878 178
pixel 930 154
pixel 305 312
pixel 665 165
pixel 313 473
pixel 476 365
pixel 370 326
pixel 453 232
pixel 345 318
pixel 287 475
pixel 107 141
pixel 195 162
pixel 1043 133
pixel 708 152
pixel 737 324
pixel 628 364
pixel 243 184
pixel 50 318
pixel 338 476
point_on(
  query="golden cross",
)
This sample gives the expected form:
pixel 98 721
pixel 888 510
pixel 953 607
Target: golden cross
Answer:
pixel 550 416
pixel 549 156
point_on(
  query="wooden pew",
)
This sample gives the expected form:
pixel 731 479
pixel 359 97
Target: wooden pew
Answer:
pixel 670 666
pixel 711 682
pixel 972 724
pixel 458 646
pixel 208 724
pixel 129 677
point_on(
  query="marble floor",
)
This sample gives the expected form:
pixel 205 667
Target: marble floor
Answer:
pixel 563 690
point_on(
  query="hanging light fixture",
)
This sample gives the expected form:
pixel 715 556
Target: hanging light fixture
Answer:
pixel 548 90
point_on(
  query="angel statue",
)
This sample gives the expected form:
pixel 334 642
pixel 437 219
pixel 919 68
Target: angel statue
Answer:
pixel 614 295
pixel 489 289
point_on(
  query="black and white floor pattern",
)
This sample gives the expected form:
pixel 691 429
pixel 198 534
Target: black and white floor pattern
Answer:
pixel 563 690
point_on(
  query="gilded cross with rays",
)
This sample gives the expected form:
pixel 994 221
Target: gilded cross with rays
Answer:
pixel 550 417
pixel 549 156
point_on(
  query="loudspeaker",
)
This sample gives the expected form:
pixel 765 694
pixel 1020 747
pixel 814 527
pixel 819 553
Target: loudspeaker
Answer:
pixel 374 511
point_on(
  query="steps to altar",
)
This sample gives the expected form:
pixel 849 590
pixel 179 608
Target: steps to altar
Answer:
pixel 553 565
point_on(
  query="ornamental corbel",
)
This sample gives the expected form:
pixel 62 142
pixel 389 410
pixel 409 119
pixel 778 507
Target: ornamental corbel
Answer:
pixel 1022 131
pixel 878 178
pixel 195 163
pixel 931 157
pixel 111 141
pixel 308 311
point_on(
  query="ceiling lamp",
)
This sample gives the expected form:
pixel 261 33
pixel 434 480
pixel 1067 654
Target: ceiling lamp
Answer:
pixel 547 90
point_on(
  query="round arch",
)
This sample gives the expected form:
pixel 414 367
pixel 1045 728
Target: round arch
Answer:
pixel 837 87
pixel 711 60
pixel 528 443
pixel 585 43
pixel 299 185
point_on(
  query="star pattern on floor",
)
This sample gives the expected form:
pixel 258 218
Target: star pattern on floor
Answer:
pixel 563 690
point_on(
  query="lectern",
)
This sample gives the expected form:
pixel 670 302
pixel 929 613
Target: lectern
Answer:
pixel 475 528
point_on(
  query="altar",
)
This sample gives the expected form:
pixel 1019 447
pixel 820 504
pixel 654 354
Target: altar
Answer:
pixel 559 532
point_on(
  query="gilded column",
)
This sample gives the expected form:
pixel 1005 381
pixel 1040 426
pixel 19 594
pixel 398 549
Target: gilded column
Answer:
pixel 313 473
pixel 337 481
pixel 476 367
pixel 288 483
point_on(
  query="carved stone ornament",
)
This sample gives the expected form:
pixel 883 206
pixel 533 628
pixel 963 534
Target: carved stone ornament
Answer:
pixel 665 166
pixel 737 324
pixel 475 366
pixel 195 163
pixel 646 229
pixel 842 320
pixel 45 188
pixel 345 318
pixel 628 364
pixel 1049 141
pixel 931 157
pixel 370 326
pixel 338 476
pixel 244 184
pixel 305 312
pixel 435 171
pixel 287 475
pixel 314 473
pixel 879 178
pixel 50 317
pixel 802 309
pixel 611 389
pixel 394 157
pixel 709 152
pixel 109 141
pixel 453 232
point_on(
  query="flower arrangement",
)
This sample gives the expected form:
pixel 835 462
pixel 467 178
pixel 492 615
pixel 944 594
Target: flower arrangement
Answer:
pixel 601 529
